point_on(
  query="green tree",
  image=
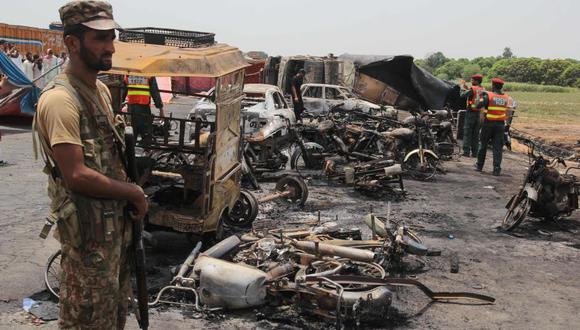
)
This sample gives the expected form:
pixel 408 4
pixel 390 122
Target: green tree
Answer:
pixel 451 69
pixel 507 53
pixel 552 71
pixel 485 63
pixel 571 76
pixel 469 70
pixel 436 60
pixel 518 70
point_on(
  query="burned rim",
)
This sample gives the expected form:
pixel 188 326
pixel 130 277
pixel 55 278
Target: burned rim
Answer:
pixel 52 273
pixel 297 188
pixel 517 212
pixel 244 211
pixel 298 163
pixel 418 171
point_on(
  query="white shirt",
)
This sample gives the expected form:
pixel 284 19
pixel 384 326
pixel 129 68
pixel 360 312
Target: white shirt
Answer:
pixel 18 61
pixel 37 73
pixel 28 71
pixel 49 63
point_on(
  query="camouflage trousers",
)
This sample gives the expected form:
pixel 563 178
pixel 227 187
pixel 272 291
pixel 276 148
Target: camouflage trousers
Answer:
pixel 95 283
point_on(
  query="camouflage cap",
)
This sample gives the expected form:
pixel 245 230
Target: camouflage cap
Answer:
pixel 97 15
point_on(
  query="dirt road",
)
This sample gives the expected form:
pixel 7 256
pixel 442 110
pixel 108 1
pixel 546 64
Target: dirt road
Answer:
pixel 532 276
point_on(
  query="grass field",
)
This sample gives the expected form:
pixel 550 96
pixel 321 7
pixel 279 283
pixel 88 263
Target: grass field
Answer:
pixel 552 116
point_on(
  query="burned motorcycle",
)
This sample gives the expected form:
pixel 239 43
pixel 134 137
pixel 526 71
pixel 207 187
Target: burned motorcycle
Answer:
pixel 446 145
pixel 546 193
pixel 332 137
pixel 414 146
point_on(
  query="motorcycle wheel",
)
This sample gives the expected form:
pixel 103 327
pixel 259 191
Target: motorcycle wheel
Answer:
pixel 244 211
pixel 517 212
pixel 421 172
pixel 298 163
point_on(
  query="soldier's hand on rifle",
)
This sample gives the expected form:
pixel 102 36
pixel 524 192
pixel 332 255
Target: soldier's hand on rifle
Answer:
pixel 139 201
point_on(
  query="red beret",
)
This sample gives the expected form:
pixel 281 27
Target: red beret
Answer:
pixel 477 76
pixel 497 81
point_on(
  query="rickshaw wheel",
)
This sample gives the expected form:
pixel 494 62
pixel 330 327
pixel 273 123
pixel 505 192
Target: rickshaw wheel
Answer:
pixel 244 211
pixel 297 187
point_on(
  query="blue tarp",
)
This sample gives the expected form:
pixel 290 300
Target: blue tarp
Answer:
pixel 17 78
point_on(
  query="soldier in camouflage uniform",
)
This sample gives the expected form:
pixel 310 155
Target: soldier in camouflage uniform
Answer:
pixel 82 144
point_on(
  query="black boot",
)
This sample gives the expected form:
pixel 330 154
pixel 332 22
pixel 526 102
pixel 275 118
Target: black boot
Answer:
pixel 497 171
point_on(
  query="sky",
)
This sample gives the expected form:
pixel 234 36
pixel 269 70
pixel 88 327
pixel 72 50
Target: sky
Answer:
pixel 545 29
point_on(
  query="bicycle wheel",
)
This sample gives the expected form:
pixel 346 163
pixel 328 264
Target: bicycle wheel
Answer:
pixel 52 273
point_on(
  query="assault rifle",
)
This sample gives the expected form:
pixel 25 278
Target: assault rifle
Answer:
pixel 142 312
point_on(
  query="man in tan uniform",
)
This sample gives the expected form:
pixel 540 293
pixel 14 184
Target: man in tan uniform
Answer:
pixel 82 144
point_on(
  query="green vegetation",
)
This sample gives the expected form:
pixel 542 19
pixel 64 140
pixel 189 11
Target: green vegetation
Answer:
pixel 545 106
pixel 531 70
pixel 525 87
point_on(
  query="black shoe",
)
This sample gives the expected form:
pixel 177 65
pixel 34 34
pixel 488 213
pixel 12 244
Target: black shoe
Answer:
pixel 477 168
pixel 466 154
pixel 497 171
pixel 474 155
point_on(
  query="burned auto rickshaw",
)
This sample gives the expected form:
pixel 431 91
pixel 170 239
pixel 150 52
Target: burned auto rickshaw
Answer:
pixel 193 184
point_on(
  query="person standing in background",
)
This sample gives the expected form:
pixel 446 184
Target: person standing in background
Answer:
pixel 139 92
pixel 494 107
pixel 50 61
pixel 16 58
pixel 28 66
pixel 295 87
pixel 471 123
pixel 62 61
pixel 37 70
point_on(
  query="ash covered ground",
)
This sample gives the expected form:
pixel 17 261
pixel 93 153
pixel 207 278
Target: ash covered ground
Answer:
pixel 532 274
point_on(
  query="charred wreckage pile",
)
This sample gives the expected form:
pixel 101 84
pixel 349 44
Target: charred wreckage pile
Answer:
pixel 322 270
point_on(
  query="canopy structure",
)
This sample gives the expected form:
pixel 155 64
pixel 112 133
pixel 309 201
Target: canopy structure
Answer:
pixel 19 84
pixel 166 61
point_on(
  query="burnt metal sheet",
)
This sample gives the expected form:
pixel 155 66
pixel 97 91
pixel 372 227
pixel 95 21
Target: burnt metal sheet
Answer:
pixel 167 61
pixel 229 93
pixel 419 89
pixel 375 91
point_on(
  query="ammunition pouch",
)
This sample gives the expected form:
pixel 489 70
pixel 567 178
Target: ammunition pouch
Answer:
pixel 85 220
pixel 98 219
pixel 68 225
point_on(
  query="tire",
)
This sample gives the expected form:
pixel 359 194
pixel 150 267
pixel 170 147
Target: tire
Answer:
pixel 416 171
pixel 517 212
pixel 299 189
pixel 298 163
pixel 52 274
pixel 244 211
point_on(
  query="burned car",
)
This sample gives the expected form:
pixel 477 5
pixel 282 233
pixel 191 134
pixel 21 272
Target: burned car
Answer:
pixel 262 104
pixel 266 119
pixel 320 98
